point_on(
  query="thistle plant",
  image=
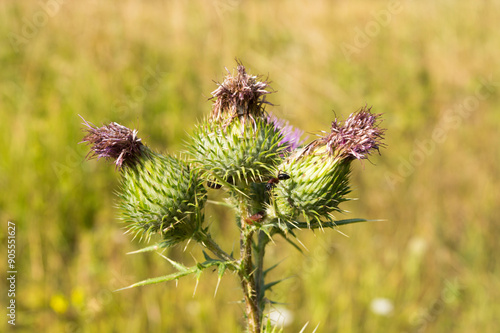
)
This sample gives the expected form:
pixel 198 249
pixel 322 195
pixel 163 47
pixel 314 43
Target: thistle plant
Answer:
pixel 274 184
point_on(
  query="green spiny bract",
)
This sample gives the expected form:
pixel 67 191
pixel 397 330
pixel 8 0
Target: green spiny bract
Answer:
pixel 162 194
pixel 243 151
pixel 316 187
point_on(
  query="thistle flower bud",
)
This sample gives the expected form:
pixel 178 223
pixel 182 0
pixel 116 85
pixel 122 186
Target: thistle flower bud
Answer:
pixel 316 187
pixel 319 172
pixel 239 96
pixel 158 194
pixel 162 194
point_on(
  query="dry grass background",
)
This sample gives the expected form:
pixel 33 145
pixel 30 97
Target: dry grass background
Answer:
pixel 432 68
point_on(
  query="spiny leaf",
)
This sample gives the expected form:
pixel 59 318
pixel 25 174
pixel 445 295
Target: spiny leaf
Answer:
pixel 290 232
pixel 207 257
pixel 272 267
pixel 165 278
pixel 180 267
pixel 333 224
pixel 150 248
pixel 272 284
pixel 182 271
pixel 350 221
pixel 293 244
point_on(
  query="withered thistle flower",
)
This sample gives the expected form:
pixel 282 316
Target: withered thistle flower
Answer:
pixel 240 95
pixel 113 141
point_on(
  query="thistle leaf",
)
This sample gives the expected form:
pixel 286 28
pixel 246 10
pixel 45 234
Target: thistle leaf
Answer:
pixel 293 244
pixel 155 247
pixel 182 271
pixel 271 268
pixel 180 267
pixel 333 224
pixel 269 285
pixel 350 221
pixel 207 257
pixel 165 278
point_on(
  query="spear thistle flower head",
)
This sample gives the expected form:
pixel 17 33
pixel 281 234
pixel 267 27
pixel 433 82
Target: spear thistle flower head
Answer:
pixel 240 95
pixel 227 146
pixel 159 194
pixel 319 172
pixel 113 141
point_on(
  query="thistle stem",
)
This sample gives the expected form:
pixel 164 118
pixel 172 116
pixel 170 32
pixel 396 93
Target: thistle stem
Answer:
pixel 248 283
pixel 259 272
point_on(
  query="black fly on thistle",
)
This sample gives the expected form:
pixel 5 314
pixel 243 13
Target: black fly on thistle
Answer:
pixel 274 181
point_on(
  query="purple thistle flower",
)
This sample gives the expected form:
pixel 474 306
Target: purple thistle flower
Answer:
pixel 113 141
pixel 356 138
pixel 291 135
pixel 239 96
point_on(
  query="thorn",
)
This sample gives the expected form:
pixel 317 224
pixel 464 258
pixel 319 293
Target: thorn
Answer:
pixel 340 232
pixel 217 286
pixel 304 327
pixel 196 286
pixel 163 256
pixel 124 288
pixel 305 247
pixel 187 243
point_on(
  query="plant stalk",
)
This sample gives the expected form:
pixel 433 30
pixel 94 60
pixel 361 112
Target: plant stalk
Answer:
pixel 247 278
pixel 259 272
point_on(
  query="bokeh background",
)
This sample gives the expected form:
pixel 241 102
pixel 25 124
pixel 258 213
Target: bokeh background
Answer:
pixel 432 68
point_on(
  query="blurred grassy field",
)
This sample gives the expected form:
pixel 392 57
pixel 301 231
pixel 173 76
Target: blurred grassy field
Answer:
pixel 432 68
